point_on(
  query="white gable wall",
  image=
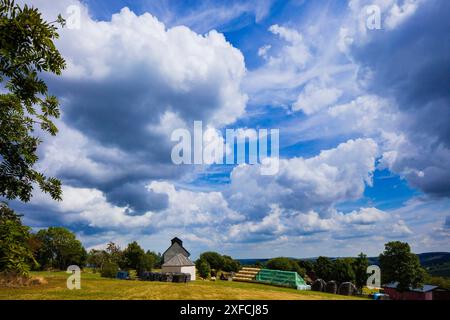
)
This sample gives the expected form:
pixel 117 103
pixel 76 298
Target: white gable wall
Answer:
pixel 190 270
pixel 181 269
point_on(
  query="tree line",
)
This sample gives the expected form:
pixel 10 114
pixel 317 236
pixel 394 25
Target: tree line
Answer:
pixel 340 270
pixel 397 264
pixel 22 251
pixel 113 259
pixel 56 248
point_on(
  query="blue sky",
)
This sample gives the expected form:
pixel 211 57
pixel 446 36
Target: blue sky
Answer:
pixel 362 112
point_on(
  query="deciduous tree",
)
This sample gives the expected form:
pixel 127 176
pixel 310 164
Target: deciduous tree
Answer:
pixel 15 254
pixel 97 258
pixel 230 265
pixel 26 50
pixel 399 264
pixel 214 259
pixel 360 265
pixel 342 270
pixel 323 267
pixel 132 256
pixel 203 268
pixel 60 249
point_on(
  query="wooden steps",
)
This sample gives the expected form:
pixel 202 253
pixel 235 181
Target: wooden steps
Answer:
pixel 246 274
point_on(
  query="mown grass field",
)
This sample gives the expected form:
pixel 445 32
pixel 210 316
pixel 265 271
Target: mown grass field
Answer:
pixel 93 287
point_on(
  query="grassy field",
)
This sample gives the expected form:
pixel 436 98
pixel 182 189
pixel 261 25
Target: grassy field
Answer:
pixel 94 287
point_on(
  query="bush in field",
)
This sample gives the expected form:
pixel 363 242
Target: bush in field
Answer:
pixel 203 268
pixel 109 269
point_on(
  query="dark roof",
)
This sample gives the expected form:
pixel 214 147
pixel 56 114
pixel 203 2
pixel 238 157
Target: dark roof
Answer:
pixel 425 288
pixel 178 260
pixel 177 240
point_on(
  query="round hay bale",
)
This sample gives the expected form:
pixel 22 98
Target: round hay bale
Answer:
pixel 180 277
pixel 176 277
pixel 331 287
pixel 318 285
pixel 347 289
pixel 145 276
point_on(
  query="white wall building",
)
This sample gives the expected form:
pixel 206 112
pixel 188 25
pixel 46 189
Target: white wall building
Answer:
pixel 180 264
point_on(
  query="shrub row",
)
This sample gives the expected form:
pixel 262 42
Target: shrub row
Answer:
pixel 165 277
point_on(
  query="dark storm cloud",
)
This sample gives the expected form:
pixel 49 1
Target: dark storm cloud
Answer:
pixel 120 113
pixel 411 64
pixel 43 216
pixel 137 197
